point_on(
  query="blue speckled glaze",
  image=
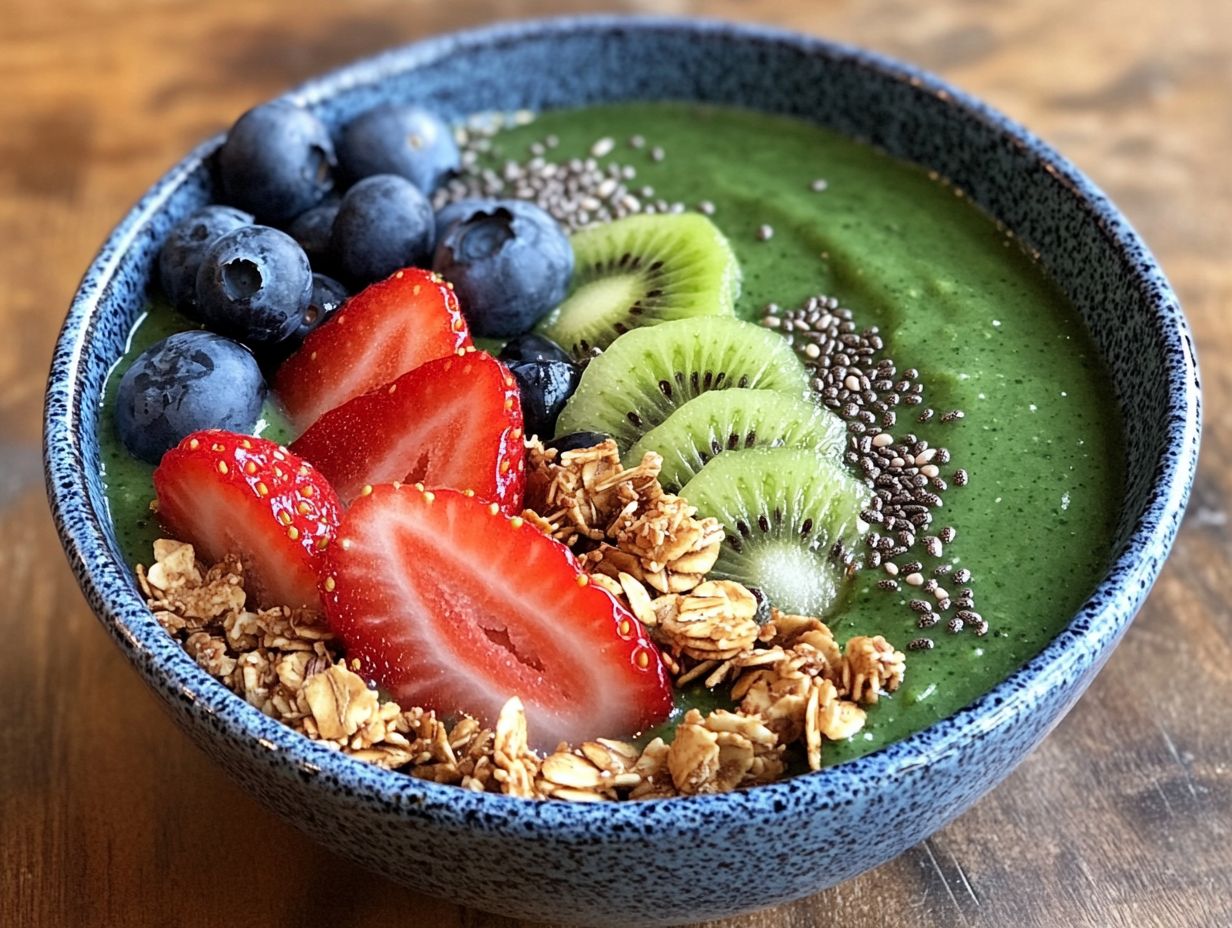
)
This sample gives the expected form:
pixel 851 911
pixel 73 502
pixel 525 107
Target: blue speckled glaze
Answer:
pixel 656 862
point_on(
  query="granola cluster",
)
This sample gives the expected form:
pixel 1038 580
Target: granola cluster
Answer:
pixel 801 685
pixel 285 662
pixel 791 683
pixel 618 518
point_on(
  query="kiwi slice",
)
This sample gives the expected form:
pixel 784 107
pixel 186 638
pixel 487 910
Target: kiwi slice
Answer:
pixel 642 270
pixel 727 420
pixel 647 373
pixel 792 518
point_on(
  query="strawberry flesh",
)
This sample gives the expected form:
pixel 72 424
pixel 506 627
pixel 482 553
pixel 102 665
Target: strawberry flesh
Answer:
pixel 453 606
pixel 389 328
pixel 453 422
pixel 226 493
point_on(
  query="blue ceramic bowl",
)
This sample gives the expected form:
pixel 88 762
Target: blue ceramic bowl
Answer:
pixel 680 859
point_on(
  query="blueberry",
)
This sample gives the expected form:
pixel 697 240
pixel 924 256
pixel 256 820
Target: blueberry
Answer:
pixel 189 381
pixel 544 385
pixel 405 140
pixel 311 229
pixel 383 225
pixel 509 264
pixel 576 440
pixel 254 285
pixel 186 245
pixel 277 161
pixel 533 347
pixel 764 611
pixel 327 297
pixel 458 210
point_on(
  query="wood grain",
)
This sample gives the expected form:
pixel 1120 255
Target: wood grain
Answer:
pixel 109 817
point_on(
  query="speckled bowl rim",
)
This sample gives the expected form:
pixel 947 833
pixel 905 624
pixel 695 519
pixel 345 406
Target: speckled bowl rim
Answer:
pixel 1086 639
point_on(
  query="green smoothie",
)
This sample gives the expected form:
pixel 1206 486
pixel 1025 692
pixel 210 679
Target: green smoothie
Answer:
pixel 954 296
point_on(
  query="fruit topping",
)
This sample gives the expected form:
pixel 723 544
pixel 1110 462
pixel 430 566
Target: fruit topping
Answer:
pixel 328 295
pixel 457 210
pixel 234 494
pixel 533 347
pixel 450 605
pixel 545 386
pixel 575 440
pixel 276 162
pixel 254 285
pixel 312 229
pixel 728 420
pixel 384 331
pixel 186 245
pixel 792 522
pixel 643 270
pixel 510 264
pixel 453 422
pixel 645 375
pixel 384 223
pixel 187 382
pixel 406 140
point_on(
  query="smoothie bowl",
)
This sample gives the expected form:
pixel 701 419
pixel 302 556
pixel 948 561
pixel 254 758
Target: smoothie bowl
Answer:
pixel 840 428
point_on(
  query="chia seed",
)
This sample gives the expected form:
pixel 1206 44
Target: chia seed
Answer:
pixel 863 387
pixel 765 233
pixel 920 644
pixel 577 192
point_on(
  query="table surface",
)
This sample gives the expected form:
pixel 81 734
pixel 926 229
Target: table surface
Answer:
pixel 108 816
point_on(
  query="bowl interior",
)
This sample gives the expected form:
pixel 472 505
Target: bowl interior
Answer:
pixel 1082 241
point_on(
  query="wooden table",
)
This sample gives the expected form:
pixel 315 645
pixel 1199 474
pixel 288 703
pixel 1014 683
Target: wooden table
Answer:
pixel 109 817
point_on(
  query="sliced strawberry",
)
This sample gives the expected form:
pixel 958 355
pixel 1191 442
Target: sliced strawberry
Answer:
pixel 452 606
pixel 235 494
pixel 453 422
pixel 389 328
